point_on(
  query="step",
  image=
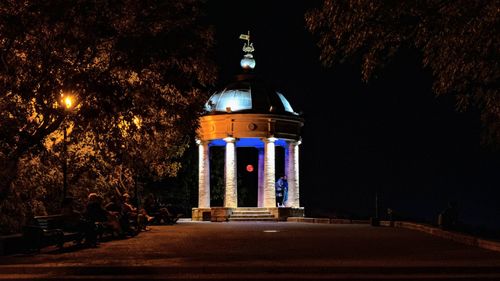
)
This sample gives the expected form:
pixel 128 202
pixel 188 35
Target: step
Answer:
pixel 251 212
pixel 249 209
pixel 252 219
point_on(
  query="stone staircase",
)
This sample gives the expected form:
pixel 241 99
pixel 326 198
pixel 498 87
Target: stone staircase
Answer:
pixel 251 214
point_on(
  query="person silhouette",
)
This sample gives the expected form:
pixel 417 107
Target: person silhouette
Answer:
pixel 281 191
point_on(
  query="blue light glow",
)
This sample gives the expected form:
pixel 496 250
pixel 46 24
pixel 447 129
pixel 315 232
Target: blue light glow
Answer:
pixel 280 142
pixel 247 142
pixel 217 142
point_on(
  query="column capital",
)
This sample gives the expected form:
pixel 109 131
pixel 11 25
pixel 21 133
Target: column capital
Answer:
pixel 269 140
pixel 229 139
pixel 294 142
pixel 202 142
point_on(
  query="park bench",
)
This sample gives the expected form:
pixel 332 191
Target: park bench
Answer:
pixel 49 230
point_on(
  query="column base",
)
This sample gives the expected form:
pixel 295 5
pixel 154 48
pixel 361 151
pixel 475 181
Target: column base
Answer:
pixel 214 214
pixel 200 214
pixel 281 214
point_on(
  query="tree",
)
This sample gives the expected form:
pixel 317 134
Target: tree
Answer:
pixel 458 41
pixel 137 70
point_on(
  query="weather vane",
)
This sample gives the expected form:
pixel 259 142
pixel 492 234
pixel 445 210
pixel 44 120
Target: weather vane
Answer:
pixel 247 47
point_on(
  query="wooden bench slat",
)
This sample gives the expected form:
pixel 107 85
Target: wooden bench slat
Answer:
pixel 48 230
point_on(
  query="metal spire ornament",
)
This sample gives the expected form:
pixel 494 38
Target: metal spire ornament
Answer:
pixel 247 62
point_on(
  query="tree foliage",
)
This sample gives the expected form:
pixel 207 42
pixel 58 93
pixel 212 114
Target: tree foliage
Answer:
pixel 137 70
pixel 458 40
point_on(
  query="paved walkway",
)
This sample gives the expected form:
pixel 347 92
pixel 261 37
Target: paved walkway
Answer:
pixel 263 251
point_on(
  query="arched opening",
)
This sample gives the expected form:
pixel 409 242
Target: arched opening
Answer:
pixel 279 162
pixel 247 158
pixel 217 176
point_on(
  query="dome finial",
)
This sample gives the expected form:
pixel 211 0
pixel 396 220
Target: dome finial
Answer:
pixel 247 62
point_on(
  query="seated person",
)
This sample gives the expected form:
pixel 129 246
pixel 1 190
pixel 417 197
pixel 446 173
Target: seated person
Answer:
pixel 128 208
pixel 94 210
pixel 96 216
pixel 129 217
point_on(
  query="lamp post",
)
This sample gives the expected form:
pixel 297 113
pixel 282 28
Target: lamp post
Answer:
pixel 68 104
pixel 65 164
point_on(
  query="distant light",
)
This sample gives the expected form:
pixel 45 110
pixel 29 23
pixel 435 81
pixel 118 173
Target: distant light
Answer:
pixel 271 231
pixel 249 168
pixel 272 139
pixel 229 139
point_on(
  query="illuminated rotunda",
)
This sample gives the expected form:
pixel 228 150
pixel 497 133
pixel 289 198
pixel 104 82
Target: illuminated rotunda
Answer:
pixel 249 113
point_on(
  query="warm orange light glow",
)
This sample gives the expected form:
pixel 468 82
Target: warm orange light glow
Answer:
pixel 137 121
pixel 68 101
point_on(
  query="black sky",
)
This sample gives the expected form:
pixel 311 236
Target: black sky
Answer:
pixel 392 135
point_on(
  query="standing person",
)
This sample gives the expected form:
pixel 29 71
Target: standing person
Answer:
pixel 285 190
pixel 281 188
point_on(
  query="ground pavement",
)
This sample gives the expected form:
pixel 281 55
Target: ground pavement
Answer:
pixel 263 251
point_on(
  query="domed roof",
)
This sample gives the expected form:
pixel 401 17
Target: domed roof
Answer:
pixel 248 94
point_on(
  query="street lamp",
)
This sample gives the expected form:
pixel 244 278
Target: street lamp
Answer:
pixel 68 103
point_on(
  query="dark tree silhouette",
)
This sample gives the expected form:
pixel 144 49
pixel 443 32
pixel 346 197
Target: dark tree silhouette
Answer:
pixel 458 41
pixel 137 70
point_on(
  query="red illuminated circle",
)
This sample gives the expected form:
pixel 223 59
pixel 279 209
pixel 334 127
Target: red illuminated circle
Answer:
pixel 249 168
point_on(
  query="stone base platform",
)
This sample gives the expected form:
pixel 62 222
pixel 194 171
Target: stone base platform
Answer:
pixel 221 214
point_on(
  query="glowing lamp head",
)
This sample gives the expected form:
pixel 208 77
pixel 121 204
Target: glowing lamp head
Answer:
pixel 68 101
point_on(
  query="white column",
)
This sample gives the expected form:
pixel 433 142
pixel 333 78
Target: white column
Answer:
pixel 231 194
pixel 292 173
pixel 269 173
pixel 203 175
pixel 261 179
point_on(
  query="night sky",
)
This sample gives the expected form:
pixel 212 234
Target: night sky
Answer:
pixel 391 136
